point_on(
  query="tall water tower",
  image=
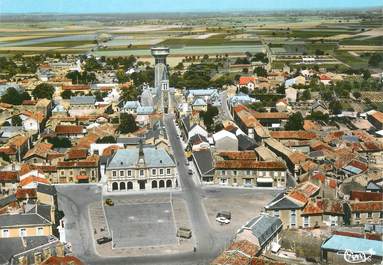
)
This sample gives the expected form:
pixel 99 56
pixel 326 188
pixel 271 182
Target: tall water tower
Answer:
pixel 161 79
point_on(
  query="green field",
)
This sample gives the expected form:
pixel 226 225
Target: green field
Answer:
pixel 375 41
pixel 351 60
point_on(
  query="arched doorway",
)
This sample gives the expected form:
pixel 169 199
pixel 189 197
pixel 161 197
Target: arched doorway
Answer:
pixel 122 186
pixel 130 185
pixel 162 184
pixel 154 184
pixel 114 186
pixel 168 183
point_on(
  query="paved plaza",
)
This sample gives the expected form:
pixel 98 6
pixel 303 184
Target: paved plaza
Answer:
pixel 141 224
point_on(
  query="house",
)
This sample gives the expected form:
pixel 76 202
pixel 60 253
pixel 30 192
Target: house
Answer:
pixel 143 168
pixel 30 121
pixel 71 131
pixel 30 250
pixel 237 170
pixel 47 194
pixel 325 79
pixel 16 147
pixel 270 119
pixel 8 180
pixel 83 171
pixel 263 231
pixel 289 206
pixel 376 118
pixel 366 212
pixel 323 212
pixel 239 252
pixel 199 104
pixel 39 154
pixel 131 107
pixel 291 94
pixel 320 106
pixel 247 81
pixel 197 129
pixel 241 98
pixel 204 163
pixel 76 88
pixel 198 142
pixel 282 104
pixel 225 141
pixel 360 247
pixel 82 105
pixel 37 222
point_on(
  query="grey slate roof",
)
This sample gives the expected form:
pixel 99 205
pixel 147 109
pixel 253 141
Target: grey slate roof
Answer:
pixel 245 142
pixel 47 189
pixel 372 186
pixel 12 220
pixel 281 202
pixel 82 100
pixel 204 162
pixel 127 158
pixel 128 140
pixel 10 247
pixel 7 200
pixel 263 227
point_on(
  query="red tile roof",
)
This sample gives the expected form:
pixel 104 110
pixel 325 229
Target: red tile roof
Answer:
pixel 75 153
pixel 26 194
pixel 323 206
pixel 367 206
pixel 378 116
pixel 366 196
pixel 244 155
pixel 54 260
pixel 250 164
pixel 31 179
pixel 8 176
pixel 300 135
pixel 69 129
pixel 270 115
pixel 325 77
pixel 76 87
pixel 244 80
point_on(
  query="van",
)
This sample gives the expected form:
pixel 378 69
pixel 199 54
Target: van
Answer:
pixel 184 232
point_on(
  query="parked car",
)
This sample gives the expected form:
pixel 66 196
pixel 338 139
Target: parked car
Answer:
pixel 222 220
pixel 190 171
pixel 109 202
pixel 184 232
pixel 225 214
pixel 186 163
pixel 103 240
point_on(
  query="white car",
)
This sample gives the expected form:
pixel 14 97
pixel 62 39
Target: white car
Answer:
pixel 222 220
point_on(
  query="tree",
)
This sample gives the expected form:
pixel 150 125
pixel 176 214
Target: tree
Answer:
pixel 306 95
pixel 356 94
pixel 244 89
pixel 295 122
pixel 375 60
pixel 16 121
pixel 12 96
pixel 318 116
pixel 60 142
pixel 319 52
pixel 336 107
pixel 281 89
pixel 43 90
pixel 208 117
pixel 121 76
pixel 66 94
pixel 106 140
pixel 260 71
pixel 127 123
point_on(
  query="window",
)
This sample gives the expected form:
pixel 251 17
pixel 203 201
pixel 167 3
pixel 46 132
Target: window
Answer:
pixel 62 173
pixel 293 217
pixel 40 231
pixel 93 174
pixel 161 171
pixel 129 173
pixel 333 220
pixel 114 173
pixel 23 232
pixel 369 215
pixel 248 182
pixel 305 221
pixel 248 172
pixel 223 172
pixel 235 172
pixel 141 172
pixel 381 215
pixel 121 173
pixel 276 213
pixel 5 233
pixel 357 215
pixel 154 171
pixel 168 171
pixel 71 173
pixel 235 181
pixel 223 181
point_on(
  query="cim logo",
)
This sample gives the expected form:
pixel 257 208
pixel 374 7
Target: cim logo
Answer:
pixel 357 256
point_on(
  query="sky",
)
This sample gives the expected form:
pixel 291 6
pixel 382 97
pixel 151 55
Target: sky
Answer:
pixel 158 6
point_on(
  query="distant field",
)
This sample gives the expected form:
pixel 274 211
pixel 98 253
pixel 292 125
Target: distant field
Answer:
pixel 303 33
pixel 375 41
pixel 212 41
pixel 351 60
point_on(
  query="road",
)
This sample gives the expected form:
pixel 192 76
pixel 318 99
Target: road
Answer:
pixel 225 114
